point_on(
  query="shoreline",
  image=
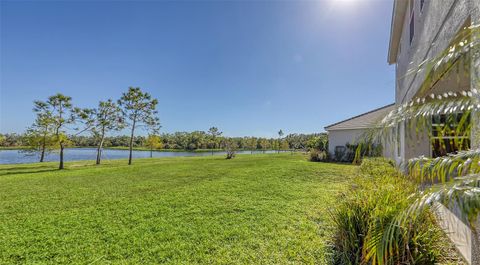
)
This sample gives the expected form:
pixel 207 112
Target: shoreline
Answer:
pixel 144 149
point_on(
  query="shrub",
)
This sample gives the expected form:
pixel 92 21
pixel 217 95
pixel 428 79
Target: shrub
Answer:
pixel 339 154
pixel 230 148
pixel 318 143
pixel 318 156
pixel 366 218
pixel 355 152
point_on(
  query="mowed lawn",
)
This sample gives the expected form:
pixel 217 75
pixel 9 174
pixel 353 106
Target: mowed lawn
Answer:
pixel 254 209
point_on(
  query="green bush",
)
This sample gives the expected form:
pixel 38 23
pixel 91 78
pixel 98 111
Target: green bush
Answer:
pixel 365 221
pixel 318 156
pixel 355 152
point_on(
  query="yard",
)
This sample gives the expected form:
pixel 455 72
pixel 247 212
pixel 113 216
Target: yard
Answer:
pixel 254 209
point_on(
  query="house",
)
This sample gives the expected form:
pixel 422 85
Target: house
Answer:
pixel 353 130
pixel 422 30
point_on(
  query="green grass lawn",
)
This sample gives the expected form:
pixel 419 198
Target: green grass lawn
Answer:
pixel 254 209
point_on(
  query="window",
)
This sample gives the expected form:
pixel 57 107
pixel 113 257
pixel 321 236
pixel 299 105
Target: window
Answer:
pixel 449 134
pixel 340 149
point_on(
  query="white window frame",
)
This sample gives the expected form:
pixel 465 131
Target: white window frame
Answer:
pixel 441 138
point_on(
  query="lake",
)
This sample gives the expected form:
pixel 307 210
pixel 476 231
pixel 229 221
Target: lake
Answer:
pixel 72 154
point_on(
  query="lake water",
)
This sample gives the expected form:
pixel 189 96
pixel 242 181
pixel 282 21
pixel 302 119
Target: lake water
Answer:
pixel 72 154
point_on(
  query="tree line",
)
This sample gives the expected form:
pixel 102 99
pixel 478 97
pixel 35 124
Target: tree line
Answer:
pixel 189 141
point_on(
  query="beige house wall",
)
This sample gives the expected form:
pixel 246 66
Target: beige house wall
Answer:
pixel 475 76
pixel 353 136
pixel 436 24
pixel 342 137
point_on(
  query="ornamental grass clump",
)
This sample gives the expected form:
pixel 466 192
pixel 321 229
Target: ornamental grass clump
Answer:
pixel 366 215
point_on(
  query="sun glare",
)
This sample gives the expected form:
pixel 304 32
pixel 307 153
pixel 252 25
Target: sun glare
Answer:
pixel 345 5
pixel 345 2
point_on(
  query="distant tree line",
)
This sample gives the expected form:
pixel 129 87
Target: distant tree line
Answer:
pixel 189 141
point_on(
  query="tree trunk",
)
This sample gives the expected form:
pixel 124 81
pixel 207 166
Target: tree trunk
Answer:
pixel 99 149
pixel 61 155
pixel 57 133
pixel 99 154
pixel 44 145
pixel 42 154
pixel 131 143
pixel 151 151
pixel 213 146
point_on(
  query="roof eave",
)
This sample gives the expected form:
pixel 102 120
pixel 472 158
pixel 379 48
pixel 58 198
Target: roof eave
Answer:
pixel 328 128
pixel 396 27
pixel 352 128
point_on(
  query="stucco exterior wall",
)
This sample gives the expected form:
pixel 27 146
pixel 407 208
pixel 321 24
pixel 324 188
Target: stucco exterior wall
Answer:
pixel 460 234
pixel 342 137
pixel 352 136
pixel 417 144
pixel 436 24
pixel 475 81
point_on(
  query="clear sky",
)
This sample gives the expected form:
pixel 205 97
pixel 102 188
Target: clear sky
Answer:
pixel 247 67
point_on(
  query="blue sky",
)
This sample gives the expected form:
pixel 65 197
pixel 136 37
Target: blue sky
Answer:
pixel 247 67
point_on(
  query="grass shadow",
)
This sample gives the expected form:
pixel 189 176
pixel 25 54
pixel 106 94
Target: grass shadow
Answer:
pixel 25 169
pixel 17 172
